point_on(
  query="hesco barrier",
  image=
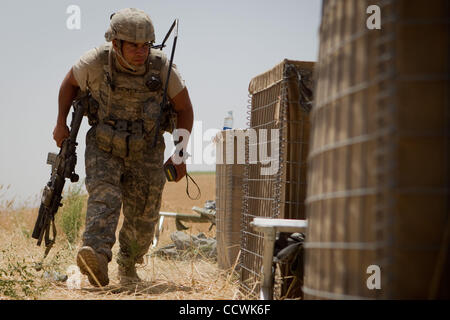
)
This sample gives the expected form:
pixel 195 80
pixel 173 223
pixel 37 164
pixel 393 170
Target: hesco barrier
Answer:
pixel 280 100
pixel 378 168
pixel 228 199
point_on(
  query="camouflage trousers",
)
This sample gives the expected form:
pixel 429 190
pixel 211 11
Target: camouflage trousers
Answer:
pixel 136 186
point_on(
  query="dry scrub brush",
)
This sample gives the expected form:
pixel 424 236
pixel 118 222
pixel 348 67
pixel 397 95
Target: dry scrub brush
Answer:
pixel 194 277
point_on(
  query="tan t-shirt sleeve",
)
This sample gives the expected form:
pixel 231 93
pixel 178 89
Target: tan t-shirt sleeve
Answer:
pixel 88 68
pixel 176 83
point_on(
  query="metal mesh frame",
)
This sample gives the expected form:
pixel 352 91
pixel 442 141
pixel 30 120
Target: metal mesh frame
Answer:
pixel 354 224
pixel 280 195
pixel 228 202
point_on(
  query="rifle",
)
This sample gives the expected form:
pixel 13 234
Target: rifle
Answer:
pixel 63 166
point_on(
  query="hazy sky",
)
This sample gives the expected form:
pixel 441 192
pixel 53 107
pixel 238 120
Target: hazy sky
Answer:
pixel 221 46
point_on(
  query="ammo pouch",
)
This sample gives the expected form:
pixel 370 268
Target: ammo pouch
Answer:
pixel 122 138
pixel 136 141
pixel 136 145
pixel 119 144
pixel 104 134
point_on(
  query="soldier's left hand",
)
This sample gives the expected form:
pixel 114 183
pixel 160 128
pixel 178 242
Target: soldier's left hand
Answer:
pixel 180 168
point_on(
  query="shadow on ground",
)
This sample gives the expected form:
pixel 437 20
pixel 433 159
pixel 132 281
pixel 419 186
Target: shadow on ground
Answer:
pixel 141 288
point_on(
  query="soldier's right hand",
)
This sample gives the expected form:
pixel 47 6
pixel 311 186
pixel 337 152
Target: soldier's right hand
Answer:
pixel 60 133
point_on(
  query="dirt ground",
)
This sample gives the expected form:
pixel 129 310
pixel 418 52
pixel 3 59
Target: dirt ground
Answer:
pixel 192 278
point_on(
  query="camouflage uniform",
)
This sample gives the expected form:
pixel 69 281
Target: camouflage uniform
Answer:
pixel 115 174
pixel 112 181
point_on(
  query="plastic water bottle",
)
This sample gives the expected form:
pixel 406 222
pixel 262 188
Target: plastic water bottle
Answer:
pixel 228 121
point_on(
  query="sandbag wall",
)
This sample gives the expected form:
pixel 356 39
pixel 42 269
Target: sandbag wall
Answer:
pixel 378 168
pixel 275 188
pixel 229 175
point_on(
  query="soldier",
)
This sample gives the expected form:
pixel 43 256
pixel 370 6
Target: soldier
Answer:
pixel 125 76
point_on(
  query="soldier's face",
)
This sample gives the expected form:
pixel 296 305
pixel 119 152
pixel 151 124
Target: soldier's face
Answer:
pixel 135 53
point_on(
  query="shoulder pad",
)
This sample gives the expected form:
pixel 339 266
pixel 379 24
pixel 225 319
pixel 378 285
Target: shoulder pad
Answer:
pixel 157 59
pixel 104 52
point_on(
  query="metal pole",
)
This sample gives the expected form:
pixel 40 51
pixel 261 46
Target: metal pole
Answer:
pixel 266 292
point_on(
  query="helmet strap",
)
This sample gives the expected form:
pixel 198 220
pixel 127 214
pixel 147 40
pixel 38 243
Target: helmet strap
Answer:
pixel 121 57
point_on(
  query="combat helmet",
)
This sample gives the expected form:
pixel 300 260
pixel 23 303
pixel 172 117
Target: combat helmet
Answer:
pixel 131 25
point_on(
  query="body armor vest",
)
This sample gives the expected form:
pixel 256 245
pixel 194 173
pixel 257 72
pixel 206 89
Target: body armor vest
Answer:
pixel 129 106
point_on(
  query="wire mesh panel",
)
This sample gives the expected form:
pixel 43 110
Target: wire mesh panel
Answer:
pixel 378 168
pixel 229 192
pixel 274 181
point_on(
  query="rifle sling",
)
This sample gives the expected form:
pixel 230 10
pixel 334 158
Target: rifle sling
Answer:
pixel 188 176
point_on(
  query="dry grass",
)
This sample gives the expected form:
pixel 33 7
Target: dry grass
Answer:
pixel 193 278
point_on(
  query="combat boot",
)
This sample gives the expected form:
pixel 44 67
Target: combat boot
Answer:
pixel 94 265
pixel 128 274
